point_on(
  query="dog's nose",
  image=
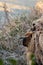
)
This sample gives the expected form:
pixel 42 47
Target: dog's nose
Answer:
pixel 25 42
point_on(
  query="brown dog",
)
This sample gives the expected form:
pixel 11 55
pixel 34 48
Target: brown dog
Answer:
pixel 31 41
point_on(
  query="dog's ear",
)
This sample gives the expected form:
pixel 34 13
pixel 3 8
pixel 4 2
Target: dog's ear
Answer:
pixel 28 34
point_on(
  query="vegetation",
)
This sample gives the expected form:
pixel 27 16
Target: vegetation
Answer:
pixel 32 56
pixel 12 61
pixel 23 23
pixel 1 62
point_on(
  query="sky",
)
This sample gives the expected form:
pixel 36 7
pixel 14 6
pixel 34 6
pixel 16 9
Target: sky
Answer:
pixel 19 4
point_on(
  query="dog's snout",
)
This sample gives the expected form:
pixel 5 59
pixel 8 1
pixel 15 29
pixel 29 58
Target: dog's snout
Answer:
pixel 25 42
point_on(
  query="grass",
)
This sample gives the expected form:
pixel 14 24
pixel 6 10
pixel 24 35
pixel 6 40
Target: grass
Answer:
pixel 32 56
pixel 12 61
pixel 33 63
pixel 1 62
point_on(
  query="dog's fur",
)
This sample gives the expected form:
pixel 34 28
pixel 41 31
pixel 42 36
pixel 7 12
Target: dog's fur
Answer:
pixel 32 44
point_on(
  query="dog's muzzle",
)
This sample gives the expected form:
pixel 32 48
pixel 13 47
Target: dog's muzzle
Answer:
pixel 24 41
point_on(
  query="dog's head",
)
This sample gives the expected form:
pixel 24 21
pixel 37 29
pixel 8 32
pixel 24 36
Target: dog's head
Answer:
pixel 27 39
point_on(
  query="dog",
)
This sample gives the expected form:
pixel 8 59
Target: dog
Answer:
pixel 31 41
